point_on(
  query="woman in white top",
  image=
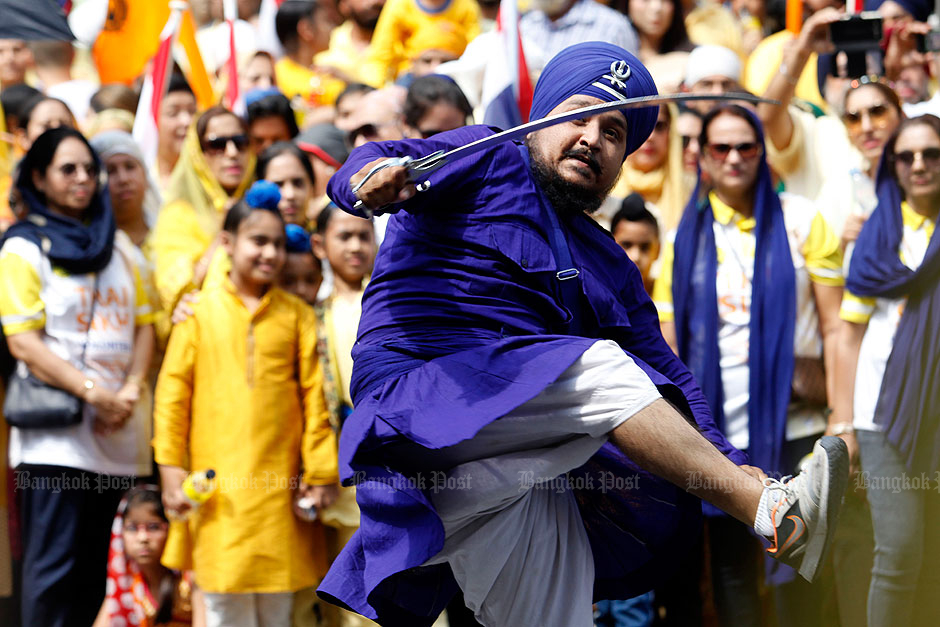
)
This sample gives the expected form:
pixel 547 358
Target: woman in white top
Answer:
pixel 886 406
pixel 75 314
pixel 754 279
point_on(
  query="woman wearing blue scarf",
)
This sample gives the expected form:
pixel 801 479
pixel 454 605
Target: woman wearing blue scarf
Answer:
pixel 754 280
pixel 889 362
pixel 75 314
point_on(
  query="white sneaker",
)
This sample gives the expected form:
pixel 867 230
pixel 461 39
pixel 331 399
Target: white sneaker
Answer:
pixel 806 514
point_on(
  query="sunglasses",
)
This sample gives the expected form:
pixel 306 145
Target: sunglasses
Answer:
pixel 878 115
pixel 720 152
pixel 71 169
pixel 219 144
pixel 931 157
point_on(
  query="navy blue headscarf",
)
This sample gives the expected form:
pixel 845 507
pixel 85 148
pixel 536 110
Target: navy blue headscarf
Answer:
pixel 604 71
pixel 76 246
pixel 919 9
pixel 908 406
pixel 773 312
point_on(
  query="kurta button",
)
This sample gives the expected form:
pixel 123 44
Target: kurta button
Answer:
pixel 524 263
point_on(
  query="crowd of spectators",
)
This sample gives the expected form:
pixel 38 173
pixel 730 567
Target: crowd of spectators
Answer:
pixel 202 301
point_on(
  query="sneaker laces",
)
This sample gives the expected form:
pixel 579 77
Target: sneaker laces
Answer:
pixel 788 486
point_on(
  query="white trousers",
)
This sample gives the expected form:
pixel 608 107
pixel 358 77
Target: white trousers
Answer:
pixel 513 533
pixel 249 610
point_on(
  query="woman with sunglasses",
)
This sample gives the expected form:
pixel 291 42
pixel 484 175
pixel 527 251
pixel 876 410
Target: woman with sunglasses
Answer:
pixel 656 172
pixel 886 405
pixel 76 317
pixel 871 112
pixel 749 293
pixel 214 170
pixel 822 157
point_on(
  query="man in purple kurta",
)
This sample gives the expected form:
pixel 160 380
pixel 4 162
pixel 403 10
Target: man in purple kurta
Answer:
pixel 521 426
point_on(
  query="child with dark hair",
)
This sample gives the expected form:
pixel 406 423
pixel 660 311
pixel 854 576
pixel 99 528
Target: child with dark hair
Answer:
pixel 302 274
pixel 637 232
pixel 270 118
pixel 241 392
pixel 140 590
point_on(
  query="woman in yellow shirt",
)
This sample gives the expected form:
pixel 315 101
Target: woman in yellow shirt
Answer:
pixel 213 171
pixel 241 392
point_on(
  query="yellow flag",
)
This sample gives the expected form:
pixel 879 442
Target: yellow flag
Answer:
pixel 130 38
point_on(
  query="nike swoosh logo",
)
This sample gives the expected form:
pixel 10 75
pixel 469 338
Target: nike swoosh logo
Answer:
pixel 798 528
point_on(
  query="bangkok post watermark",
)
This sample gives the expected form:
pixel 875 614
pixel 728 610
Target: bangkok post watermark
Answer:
pixel 896 484
pixel 432 482
pixel 603 482
pixel 69 481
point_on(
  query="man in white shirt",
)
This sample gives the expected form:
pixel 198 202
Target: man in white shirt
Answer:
pixel 553 25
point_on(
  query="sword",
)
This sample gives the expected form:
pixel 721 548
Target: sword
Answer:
pixel 421 167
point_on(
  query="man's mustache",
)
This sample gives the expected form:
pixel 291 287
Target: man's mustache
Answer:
pixel 586 154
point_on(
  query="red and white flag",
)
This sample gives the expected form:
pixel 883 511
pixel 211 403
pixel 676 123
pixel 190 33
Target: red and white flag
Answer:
pixel 234 100
pixel 146 122
pixel 507 86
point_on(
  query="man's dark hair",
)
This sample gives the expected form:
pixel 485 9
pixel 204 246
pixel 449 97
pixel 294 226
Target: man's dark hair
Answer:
pixel 274 106
pixel 178 83
pixel 427 91
pixel 14 100
pixel 352 89
pixel 288 17
pixel 114 96
pixel 50 53
pixel 633 209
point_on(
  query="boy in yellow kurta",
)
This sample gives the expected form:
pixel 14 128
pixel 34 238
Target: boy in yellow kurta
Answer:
pixel 241 392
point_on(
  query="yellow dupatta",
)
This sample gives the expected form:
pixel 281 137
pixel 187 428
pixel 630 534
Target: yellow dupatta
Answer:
pixel 192 216
pixel 668 187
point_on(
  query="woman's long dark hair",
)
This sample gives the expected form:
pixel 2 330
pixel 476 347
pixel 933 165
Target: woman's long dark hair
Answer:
pixel 675 37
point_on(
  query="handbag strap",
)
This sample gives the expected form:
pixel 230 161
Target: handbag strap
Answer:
pixel 91 317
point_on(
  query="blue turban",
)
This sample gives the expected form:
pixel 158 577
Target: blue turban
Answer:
pixel 600 70
pixel 919 9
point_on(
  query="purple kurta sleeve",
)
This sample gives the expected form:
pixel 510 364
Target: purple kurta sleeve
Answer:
pixel 448 179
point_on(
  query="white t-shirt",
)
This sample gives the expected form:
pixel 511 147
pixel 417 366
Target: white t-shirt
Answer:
pixel 882 316
pixel 36 296
pixel 814 250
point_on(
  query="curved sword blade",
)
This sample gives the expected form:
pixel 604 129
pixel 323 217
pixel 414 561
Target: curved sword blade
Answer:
pixel 428 164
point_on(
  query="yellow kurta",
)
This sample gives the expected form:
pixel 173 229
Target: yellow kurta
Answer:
pixel 242 393
pixel 402 34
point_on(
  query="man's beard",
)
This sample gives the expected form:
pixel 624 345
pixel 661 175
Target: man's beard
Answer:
pixel 365 20
pixel 566 197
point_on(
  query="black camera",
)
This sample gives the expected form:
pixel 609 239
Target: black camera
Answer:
pixel 858 36
pixel 860 32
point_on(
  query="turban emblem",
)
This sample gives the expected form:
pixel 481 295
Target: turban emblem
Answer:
pixel 619 73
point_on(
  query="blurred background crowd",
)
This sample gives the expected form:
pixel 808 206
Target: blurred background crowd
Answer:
pixel 172 260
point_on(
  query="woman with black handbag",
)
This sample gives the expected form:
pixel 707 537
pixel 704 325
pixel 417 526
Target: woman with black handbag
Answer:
pixel 78 321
